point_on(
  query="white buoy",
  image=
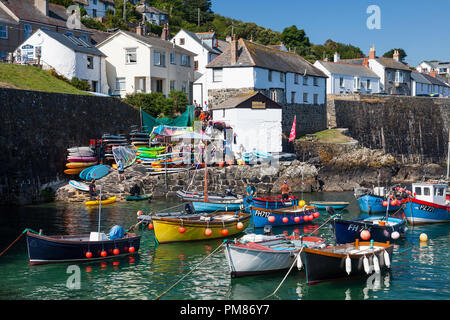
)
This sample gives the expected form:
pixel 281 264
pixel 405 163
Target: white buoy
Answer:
pixel 387 260
pixel 366 265
pixel 395 235
pixel 376 264
pixel 348 265
pixel 299 263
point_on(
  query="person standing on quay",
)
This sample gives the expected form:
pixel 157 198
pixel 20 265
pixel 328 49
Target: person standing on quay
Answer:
pixel 120 170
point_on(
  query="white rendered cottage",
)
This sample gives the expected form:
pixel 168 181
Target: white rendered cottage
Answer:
pixel 96 8
pixel 137 63
pixel 68 55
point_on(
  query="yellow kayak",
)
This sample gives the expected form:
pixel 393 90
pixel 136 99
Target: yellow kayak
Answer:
pixel 96 202
pixel 195 228
pixel 75 165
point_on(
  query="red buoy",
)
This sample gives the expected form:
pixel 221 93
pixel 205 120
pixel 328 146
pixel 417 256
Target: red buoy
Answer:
pixel 385 203
pixel 316 214
pixel 182 229
pixel 224 232
pixel 297 219
pixel 285 219
pixel 365 235
pixel 131 249
pixel 88 254
pixel 271 219
pixel 208 232
pixel 150 226
pixel 103 253
pixel 311 217
pixel 116 251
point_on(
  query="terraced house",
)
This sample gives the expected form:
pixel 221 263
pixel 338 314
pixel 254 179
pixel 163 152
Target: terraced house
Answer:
pixel 96 8
pixel 284 77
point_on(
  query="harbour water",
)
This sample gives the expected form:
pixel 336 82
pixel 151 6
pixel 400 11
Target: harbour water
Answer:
pixel 419 270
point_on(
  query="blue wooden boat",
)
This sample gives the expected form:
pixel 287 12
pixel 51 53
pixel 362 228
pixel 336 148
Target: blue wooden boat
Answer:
pixel 428 204
pixel 283 216
pixel 275 202
pixel 380 228
pixel 322 205
pixel 217 205
pixel 374 204
pixel 78 248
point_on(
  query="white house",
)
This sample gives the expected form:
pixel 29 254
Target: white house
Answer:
pixel 423 84
pixel 285 77
pixel 348 78
pixel 68 55
pixel 153 15
pixel 96 8
pixel 137 63
pixel 442 68
pixel 206 47
pixel 256 120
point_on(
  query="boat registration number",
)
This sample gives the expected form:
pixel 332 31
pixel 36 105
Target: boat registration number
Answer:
pixel 426 208
pixel 261 214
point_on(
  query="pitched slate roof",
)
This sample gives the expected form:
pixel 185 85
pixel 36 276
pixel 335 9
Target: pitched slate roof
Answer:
pixel 392 64
pixel 251 54
pixel 25 10
pixel 418 77
pixel 240 100
pixel 152 41
pixel 198 37
pixel 74 44
pixel 348 69
pixel 434 80
pixel 145 8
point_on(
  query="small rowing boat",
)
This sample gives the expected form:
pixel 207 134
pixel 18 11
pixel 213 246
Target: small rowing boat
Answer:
pixel 139 197
pixel 103 202
pixel 322 205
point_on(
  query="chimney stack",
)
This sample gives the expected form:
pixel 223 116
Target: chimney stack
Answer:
pixel 433 73
pixel 396 56
pixel 234 49
pixel 165 35
pixel 42 6
pixel 372 52
pixel 366 62
pixel 139 30
pixel 337 57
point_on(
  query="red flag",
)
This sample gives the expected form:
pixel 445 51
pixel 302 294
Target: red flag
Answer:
pixel 293 131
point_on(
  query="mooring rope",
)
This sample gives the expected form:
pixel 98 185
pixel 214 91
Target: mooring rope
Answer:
pixel 17 239
pixel 172 286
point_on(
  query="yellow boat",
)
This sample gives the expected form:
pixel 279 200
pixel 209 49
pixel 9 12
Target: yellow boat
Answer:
pixel 96 202
pixel 199 227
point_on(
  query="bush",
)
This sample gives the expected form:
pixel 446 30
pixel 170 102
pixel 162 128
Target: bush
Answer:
pixel 80 84
pixel 156 105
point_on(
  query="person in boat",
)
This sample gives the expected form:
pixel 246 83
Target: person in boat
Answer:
pixel 251 191
pixel 92 190
pixel 285 189
pixel 120 170
pixel 135 190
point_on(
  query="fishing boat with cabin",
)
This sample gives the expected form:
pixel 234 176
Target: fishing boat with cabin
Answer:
pixel 357 259
pixel 373 201
pixel 428 203
pixel 275 202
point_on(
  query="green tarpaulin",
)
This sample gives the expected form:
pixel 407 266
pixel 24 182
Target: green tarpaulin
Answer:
pixel 184 120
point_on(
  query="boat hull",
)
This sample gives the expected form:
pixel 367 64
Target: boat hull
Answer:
pixel 261 216
pixel 322 205
pixel 201 206
pixel 167 230
pixel 45 250
pixel 245 262
pixel 347 231
pixel 320 266
pixel 374 204
pixel 423 212
pixel 273 202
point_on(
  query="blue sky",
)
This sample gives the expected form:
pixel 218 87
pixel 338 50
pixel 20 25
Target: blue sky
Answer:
pixel 419 27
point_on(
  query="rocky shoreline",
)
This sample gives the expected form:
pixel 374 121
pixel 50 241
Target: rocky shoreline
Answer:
pixel 359 167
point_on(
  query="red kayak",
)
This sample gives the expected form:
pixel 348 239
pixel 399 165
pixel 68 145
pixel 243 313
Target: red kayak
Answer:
pixel 81 159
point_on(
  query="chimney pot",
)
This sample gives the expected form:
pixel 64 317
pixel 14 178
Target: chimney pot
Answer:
pixel 396 55
pixel 372 52
pixel 366 62
pixel 234 49
pixel 42 6
pixel 337 57
pixel 139 30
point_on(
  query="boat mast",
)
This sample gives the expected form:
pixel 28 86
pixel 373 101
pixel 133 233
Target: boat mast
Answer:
pixel 448 154
pixel 205 192
pixel 99 211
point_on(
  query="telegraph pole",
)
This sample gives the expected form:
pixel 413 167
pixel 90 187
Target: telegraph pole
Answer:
pixel 125 10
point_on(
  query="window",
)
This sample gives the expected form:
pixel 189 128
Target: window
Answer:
pixel 281 77
pixel 28 30
pixel 270 75
pixel 94 86
pixel 3 31
pixel 69 33
pixel 389 74
pixel 90 62
pixel 130 55
pixel 95 2
pixel 172 85
pixel 159 58
pixel 181 41
pixel 94 13
pixel 120 84
pixel 296 78
pixel 305 80
pixel 368 84
pixel 274 95
pixel 173 58
pixel 341 82
pixel 316 81
pixel 185 60
pixel 426 191
pixel 195 65
pixel 184 87
pixel 356 83
pixel 293 97
pixel 418 191
pixel 316 98
pixel 399 77
pixel 217 75
pixel 305 97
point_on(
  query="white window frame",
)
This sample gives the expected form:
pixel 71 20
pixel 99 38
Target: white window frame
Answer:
pixel 172 85
pixel 316 98
pixel 305 80
pixel 185 60
pixel 173 58
pixel 120 84
pixel 129 54
pixel 341 82
pixel 217 74
pixel 159 58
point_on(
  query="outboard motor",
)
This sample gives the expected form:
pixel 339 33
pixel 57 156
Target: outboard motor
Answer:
pixel 268 230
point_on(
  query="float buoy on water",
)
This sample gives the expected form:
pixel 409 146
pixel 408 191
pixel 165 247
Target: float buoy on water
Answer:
pixel 348 265
pixel 299 263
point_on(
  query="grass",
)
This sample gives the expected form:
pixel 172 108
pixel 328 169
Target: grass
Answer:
pixel 32 78
pixel 327 136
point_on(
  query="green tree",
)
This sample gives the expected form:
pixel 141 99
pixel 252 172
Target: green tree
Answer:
pixel 295 38
pixel 401 52
pixel 155 104
pixel 178 100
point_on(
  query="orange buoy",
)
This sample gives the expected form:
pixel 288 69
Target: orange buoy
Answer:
pixel 297 219
pixel 285 219
pixel 271 219
pixel 103 253
pixel 150 226
pixel 240 225
pixel 224 232
pixel 208 232
pixel 385 203
pixel 139 213
pixel 88 254
pixel 365 235
pixel 131 249
pixel 316 214
pixel 116 251
pixel 311 217
pixel 182 229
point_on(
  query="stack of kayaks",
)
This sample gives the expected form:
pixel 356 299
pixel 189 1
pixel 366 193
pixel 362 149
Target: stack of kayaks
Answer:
pixel 78 159
pixel 146 155
pixel 111 141
pixel 95 172
pixel 139 139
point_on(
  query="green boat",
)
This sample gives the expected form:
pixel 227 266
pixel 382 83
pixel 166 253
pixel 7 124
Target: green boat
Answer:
pixel 139 198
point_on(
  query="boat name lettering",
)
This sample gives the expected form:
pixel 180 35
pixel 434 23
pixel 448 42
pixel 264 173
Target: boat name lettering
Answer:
pixel 354 227
pixel 426 208
pixel 261 214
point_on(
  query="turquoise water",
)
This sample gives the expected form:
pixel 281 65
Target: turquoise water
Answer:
pixel 419 271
